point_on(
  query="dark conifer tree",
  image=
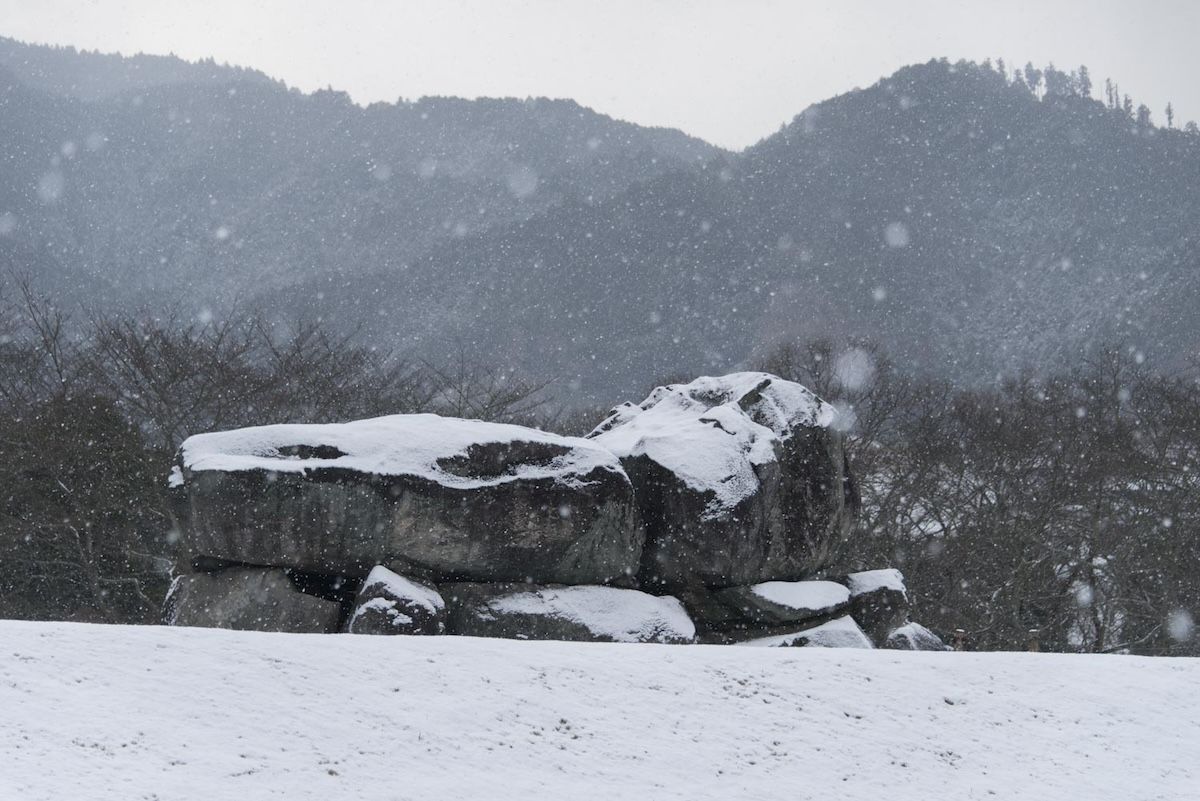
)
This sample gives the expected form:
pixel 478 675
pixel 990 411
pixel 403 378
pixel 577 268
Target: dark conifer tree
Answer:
pixel 1033 76
pixel 1084 81
pixel 1143 117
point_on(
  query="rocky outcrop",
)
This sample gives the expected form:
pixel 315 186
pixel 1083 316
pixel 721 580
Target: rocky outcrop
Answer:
pixel 740 479
pixel 248 599
pixel 718 500
pixel 389 603
pixel 588 614
pixel 457 499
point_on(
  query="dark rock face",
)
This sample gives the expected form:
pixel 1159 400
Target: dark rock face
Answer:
pixel 914 637
pixel 248 599
pixel 468 500
pixel 582 613
pixel 345 524
pixel 389 603
pixel 740 479
pixel 878 601
pixel 710 613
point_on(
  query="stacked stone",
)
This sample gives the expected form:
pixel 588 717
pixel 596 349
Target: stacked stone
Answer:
pixel 696 516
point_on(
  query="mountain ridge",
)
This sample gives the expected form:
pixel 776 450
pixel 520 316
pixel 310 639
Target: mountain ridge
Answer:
pixel 971 225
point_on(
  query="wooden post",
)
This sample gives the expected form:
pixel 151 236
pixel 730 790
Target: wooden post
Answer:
pixel 960 640
pixel 1033 643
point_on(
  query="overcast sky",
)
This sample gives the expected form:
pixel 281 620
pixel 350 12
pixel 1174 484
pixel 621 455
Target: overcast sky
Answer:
pixel 730 71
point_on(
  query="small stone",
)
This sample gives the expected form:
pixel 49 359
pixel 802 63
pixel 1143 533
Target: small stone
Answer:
pixel 389 603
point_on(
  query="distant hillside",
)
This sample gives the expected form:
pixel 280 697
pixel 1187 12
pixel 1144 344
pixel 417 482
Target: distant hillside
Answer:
pixel 208 184
pixel 90 75
pixel 971 225
pixel 968 225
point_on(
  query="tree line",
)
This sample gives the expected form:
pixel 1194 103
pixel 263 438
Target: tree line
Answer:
pixel 1065 505
pixel 93 407
pixel 1063 508
pixel 1050 82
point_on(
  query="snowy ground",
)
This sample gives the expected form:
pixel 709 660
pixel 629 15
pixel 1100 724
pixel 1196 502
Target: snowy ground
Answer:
pixel 113 712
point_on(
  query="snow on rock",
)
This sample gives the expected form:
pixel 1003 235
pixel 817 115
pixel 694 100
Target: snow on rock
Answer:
pixel 427 446
pixel 914 637
pixel 459 498
pixel 816 595
pixel 841 632
pixel 389 603
pixel 713 432
pixel 113 713
pixel 590 613
pixel 873 580
pixel 776 602
pixel 740 479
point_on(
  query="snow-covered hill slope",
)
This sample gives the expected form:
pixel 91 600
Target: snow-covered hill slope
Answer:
pixel 109 712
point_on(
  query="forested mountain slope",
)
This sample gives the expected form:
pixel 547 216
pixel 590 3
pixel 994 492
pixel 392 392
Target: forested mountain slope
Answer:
pixel 969 223
pixel 210 186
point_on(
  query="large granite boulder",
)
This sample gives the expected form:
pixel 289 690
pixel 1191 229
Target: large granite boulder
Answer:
pixel 250 599
pixel 740 479
pixel 450 498
pixel 878 601
pixel 388 603
pixel 587 614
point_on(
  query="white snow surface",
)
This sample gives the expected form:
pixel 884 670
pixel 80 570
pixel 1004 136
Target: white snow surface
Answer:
pixel 115 713
pixel 842 632
pixel 396 445
pixel 400 587
pixel 622 615
pixel 871 580
pixel 814 595
pixel 700 433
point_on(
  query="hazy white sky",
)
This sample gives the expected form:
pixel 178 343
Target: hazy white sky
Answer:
pixel 730 71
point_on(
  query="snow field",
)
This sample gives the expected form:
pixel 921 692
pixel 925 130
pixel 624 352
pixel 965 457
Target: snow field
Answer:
pixel 111 712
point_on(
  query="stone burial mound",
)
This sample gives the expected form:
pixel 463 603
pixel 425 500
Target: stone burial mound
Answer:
pixel 705 514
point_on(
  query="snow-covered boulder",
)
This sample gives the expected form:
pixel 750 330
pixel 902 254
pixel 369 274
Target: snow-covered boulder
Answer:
pixel 589 614
pixel 914 637
pixel 781 602
pixel 389 603
pixel 250 599
pixel 841 632
pixel 878 601
pixel 740 479
pixel 454 498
